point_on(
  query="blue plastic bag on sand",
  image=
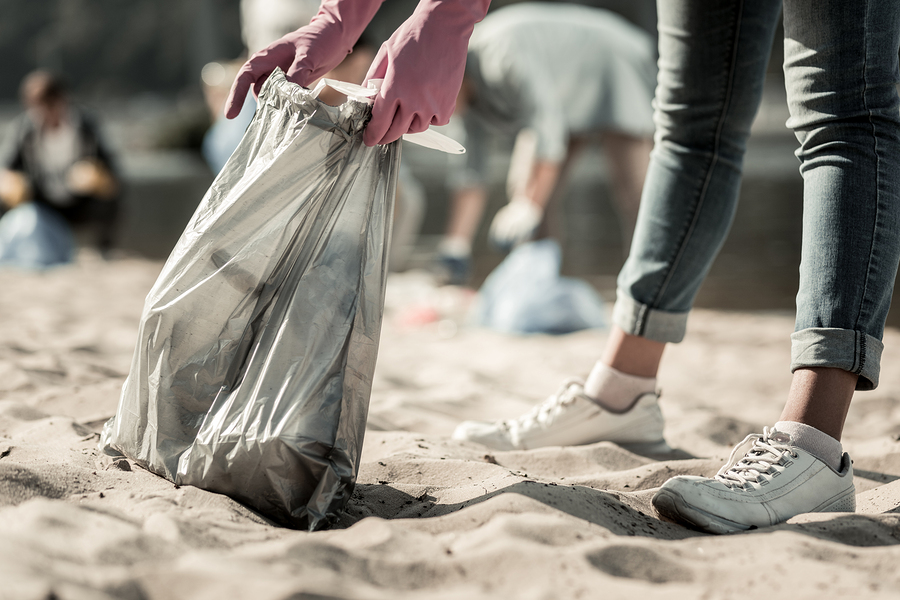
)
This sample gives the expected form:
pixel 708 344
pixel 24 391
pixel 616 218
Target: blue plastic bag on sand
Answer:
pixel 525 294
pixel 33 236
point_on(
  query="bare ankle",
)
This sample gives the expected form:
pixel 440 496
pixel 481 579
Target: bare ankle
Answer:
pixel 632 354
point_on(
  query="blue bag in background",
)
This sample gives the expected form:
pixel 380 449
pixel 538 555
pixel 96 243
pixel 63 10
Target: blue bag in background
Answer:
pixel 525 294
pixel 33 236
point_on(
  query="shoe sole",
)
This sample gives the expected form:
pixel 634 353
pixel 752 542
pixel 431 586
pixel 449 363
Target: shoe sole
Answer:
pixel 670 506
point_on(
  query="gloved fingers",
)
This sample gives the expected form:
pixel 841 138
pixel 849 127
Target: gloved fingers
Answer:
pixel 304 70
pixel 499 232
pixel 398 127
pixel 245 78
pixel 378 124
pixel 300 74
pixel 498 235
pixel 440 120
pixel 258 85
pixel 384 112
pixel 513 224
pixel 420 123
pixel 398 122
pixel 288 53
pixel 387 124
pixel 254 73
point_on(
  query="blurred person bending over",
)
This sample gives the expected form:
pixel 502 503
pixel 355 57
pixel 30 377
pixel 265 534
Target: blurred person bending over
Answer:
pixel 514 85
pixel 54 156
pixel 841 70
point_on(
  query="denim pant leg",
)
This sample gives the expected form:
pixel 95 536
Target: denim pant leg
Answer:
pixel 841 70
pixel 712 66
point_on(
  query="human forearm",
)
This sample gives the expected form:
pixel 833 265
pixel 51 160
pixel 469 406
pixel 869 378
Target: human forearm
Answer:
pixel 542 181
pixel 518 220
pixel 466 208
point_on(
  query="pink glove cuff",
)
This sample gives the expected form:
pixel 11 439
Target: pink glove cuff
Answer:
pixel 308 53
pixel 422 65
pixel 346 20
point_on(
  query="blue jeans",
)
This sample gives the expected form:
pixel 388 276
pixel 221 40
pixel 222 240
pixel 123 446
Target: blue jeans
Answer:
pixel 841 70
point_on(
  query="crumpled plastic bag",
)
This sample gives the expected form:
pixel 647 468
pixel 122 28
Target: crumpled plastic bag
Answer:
pixel 257 344
pixel 34 236
pixel 525 294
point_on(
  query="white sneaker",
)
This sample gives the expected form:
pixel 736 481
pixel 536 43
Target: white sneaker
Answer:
pixel 773 482
pixel 570 418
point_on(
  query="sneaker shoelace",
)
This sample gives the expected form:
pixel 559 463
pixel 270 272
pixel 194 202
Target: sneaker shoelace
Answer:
pixel 568 392
pixel 767 452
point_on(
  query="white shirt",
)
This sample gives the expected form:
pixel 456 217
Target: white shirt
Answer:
pixel 561 70
pixel 56 150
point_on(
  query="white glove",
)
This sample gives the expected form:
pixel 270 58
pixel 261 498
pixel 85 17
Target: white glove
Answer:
pixel 515 223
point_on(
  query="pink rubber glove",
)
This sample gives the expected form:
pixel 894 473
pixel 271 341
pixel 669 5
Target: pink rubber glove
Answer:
pixel 422 65
pixel 308 53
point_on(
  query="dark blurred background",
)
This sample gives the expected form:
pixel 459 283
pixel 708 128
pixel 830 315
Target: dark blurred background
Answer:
pixel 137 65
pixel 114 49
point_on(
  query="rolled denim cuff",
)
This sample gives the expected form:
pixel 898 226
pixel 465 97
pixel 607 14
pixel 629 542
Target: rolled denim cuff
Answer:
pixel 639 319
pixel 852 351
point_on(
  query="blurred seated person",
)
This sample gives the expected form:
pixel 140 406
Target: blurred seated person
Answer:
pixel 54 156
pixel 562 75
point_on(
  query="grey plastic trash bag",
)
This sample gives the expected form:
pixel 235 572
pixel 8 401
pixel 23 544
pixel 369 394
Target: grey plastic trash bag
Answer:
pixel 254 361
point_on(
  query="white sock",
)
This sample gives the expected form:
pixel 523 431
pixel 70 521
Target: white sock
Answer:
pixel 819 444
pixel 615 390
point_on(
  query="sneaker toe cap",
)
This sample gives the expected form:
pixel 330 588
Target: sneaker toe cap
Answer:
pixel 709 505
pixel 485 433
pixel 699 491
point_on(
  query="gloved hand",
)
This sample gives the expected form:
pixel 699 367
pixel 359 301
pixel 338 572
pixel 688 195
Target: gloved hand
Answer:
pixel 515 223
pixel 422 66
pixel 308 53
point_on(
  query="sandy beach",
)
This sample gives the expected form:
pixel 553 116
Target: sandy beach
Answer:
pixel 430 517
